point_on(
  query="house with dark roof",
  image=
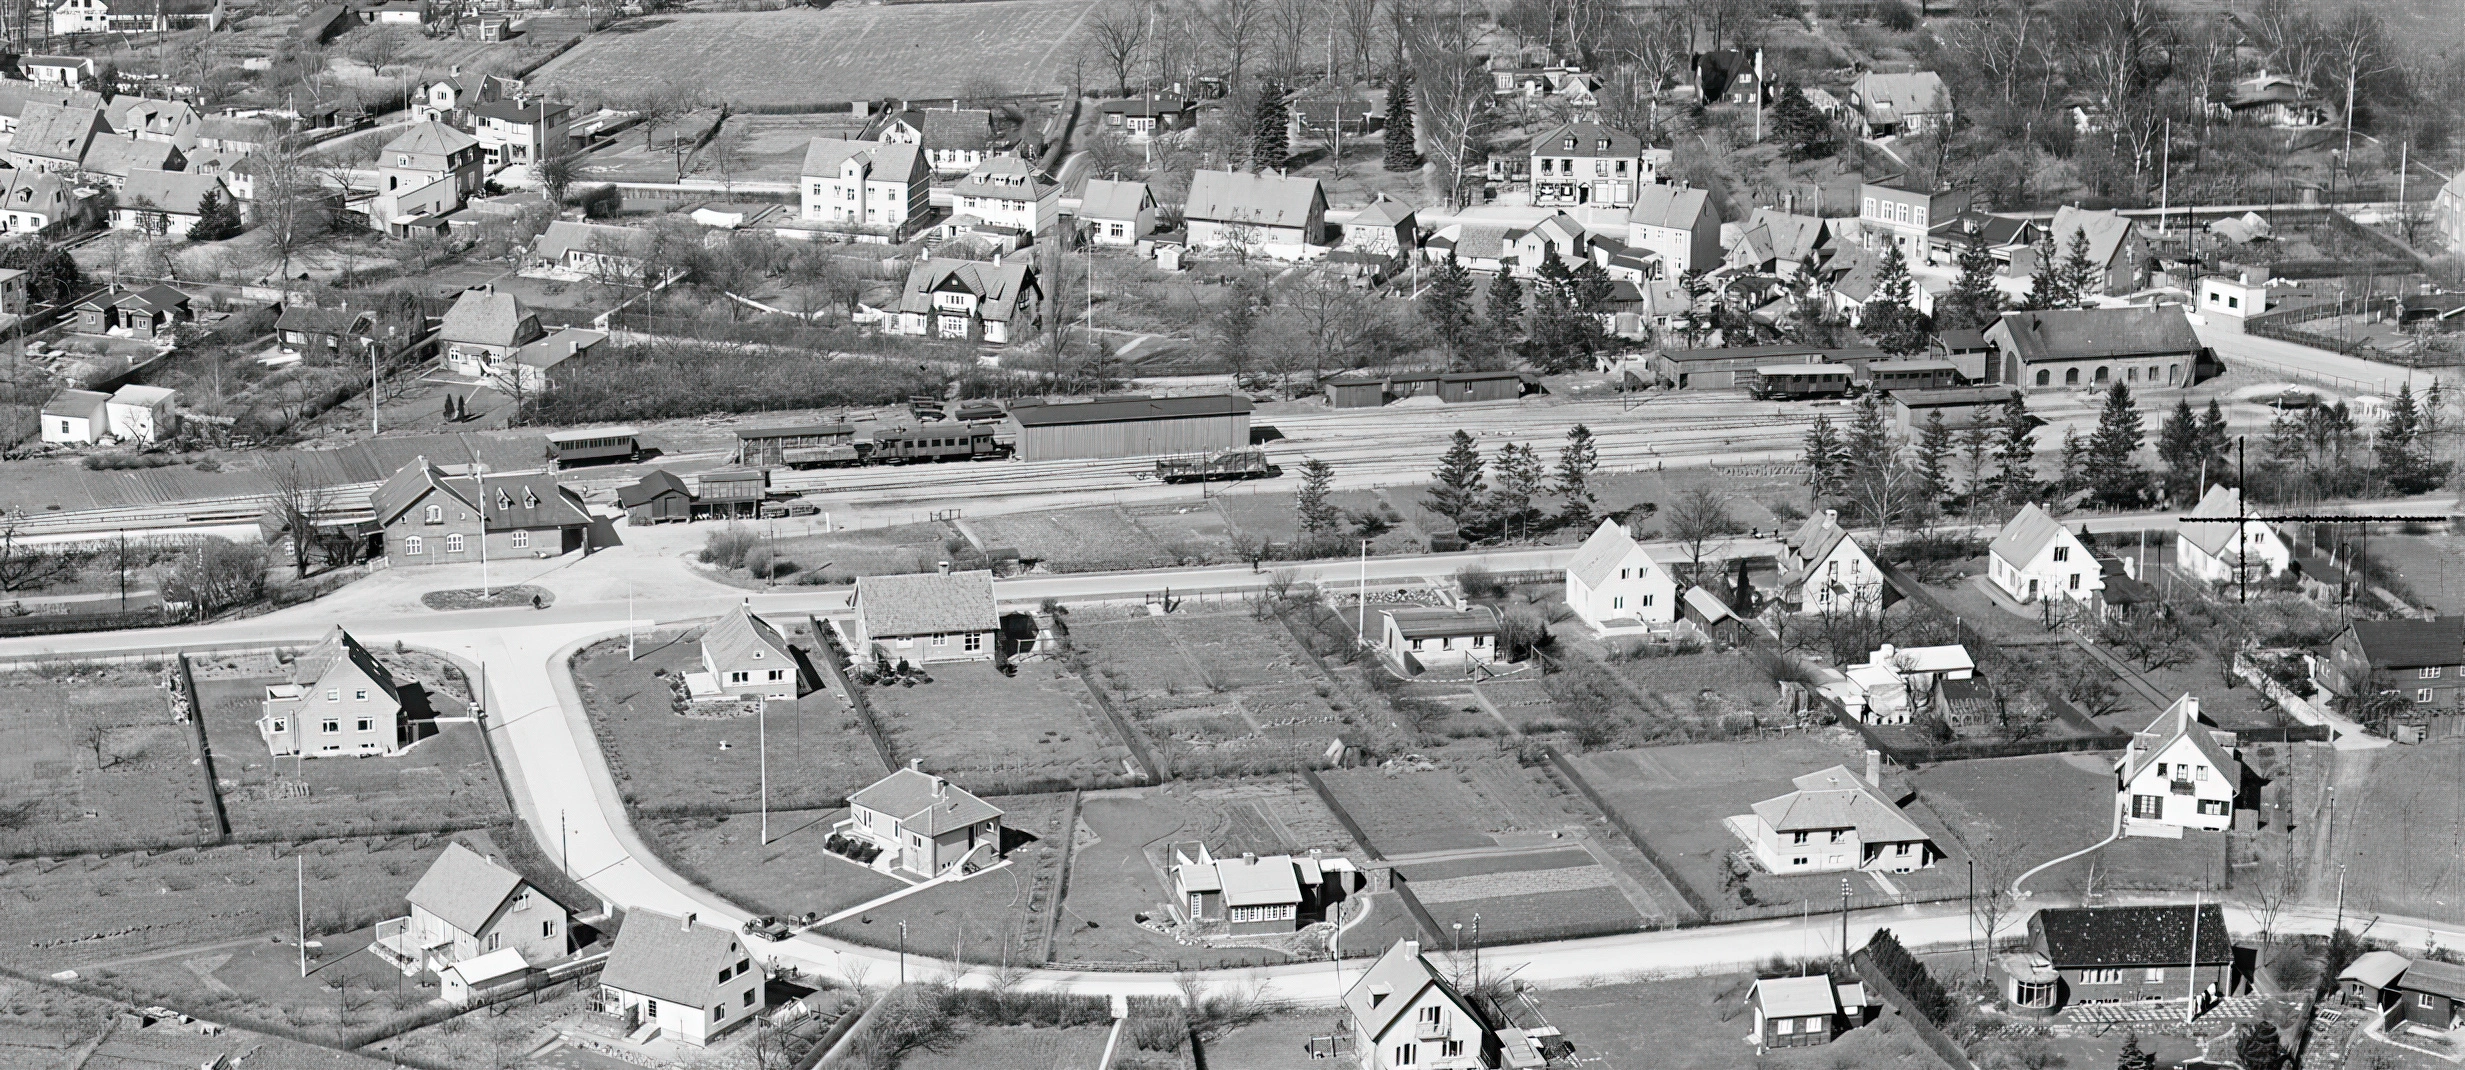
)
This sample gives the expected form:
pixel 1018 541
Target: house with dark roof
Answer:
pixel 430 518
pixel 656 498
pixel 449 100
pixel 2227 551
pixel 2035 557
pixel 2003 236
pixel 995 303
pixel 1254 893
pixel 2426 995
pixel 676 979
pixel 1825 570
pixel 882 185
pixel 2074 347
pixel 2271 99
pixel 925 825
pixel 318 333
pixel 1883 105
pixel 924 617
pixel 2178 773
pixel 955 140
pixel 1404 1015
pixel 1614 586
pixel 468 905
pixel 1777 242
pixel 112 158
pixel 324 24
pixel 1258 212
pixel 1835 821
pixel 1005 195
pixel 334 701
pixel 2080 955
pixel 750 659
pixel 1418 639
pixel 163 203
pixel 2421 661
pixel 1140 119
pixel 1586 163
pixel 482 327
pixel 1116 213
pixel 148 312
pixel 55 137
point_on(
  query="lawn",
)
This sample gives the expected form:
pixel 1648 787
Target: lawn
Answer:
pixel 1523 897
pixel 2423 560
pixel 1118 870
pixel 843 555
pixel 2400 830
pixel 43 1025
pixel 1270 515
pixel 90 760
pixel 1703 1022
pixel 1015 1047
pixel 998 916
pixel 445 781
pixel 1081 540
pixel 663 760
pixel 1480 803
pixel 1277 1043
pixel 772 147
pixel 842 53
pixel 2017 812
pixel 1216 690
pixel 1046 730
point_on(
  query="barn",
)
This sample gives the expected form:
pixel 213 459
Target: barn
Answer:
pixel 1128 426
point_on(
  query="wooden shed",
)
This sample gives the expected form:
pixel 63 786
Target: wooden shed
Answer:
pixel 1362 391
pixel 772 445
pixel 1129 426
pixel 656 499
pixel 1723 369
pixel 1960 406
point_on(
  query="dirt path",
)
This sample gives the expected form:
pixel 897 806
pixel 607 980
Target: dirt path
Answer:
pixel 2350 777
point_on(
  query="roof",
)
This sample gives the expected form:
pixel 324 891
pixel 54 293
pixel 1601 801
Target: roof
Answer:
pixel 431 138
pixel 172 191
pixel 2221 501
pixel 1836 798
pixel 309 319
pixel 1591 139
pixel 1789 997
pixel 1006 178
pixel 2435 977
pixel 1258 200
pixel 1147 106
pixel 1390 985
pixel 523 500
pixel 1948 657
pixel 55 131
pixel 2107 229
pixel 739 636
pixel 1258 880
pixel 657 482
pixel 1608 545
pixel 1417 622
pixel 998 287
pixel 1709 605
pixel 256 131
pixel 2029 533
pixel 1669 206
pixel 666 957
pixel 927 603
pixel 464 888
pixel 1384 212
pixel 508 111
pixel 407 485
pixel 923 802
pixel 1116 410
pixel 953 128
pixel 791 431
pixel 484 317
pixel 1787 236
pixel 122 155
pixel 143 397
pixel 2077 937
pixel 1967 697
pixel 2408 643
pixel 1889 96
pixel 891 161
pixel 55 61
pixel 1995 229
pixel 1961 339
pixel 551 349
pixel 78 403
pixel 2375 968
pixel 1940 397
pixel 566 235
pixel 1815 539
pixel 1749 353
pixel 1108 199
pixel 1478 241
pixel 317 661
pixel 15 96
pixel 490 966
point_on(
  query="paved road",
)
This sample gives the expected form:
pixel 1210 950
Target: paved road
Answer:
pixel 2350 374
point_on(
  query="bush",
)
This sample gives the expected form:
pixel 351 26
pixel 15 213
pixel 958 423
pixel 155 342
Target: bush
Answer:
pixel 1902 969
pixel 217 574
pixel 728 547
pixel 642 382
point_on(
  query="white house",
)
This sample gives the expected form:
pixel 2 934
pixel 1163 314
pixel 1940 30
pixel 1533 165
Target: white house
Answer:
pixel 468 906
pixel 2178 774
pixel 879 184
pixel 76 417
pixel 1405 1016
pixel 1615 587
pixel 1895 683
pixel 1823 569
pixel 2036 557
pixel 924 824
pixel 1678 224
pixel 2217 552
pixel 1417 639
pixel 1835 821
pixel 1264 212
pixel 142 413
pixel 1006 192
pixel 694 982
pixel 1116 213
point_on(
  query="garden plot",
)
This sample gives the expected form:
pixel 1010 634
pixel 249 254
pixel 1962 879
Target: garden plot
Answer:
pixel 2023 811
pixel 1481 803
pixel 1216 690
pixel 90 759
pixel 445 781
pixel 1077 540
pixel 1523 897
pixel 1015 1047
pixel 840 555
pixel 988 732
pixel 2400 830
pixel 1703 1022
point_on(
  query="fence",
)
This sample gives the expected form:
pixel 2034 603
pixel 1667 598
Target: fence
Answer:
pixel 205 748
pixel 1695 904
pixel 1934 1037
pixel 1342 816
pixel 1154 771
pixel 834 664
pixel 1061 879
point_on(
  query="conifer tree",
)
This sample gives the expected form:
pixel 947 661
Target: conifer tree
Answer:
pixel 1455 489
pixel 218 217
pixel 1802 130
pixel 2081 275
pixel 2045 290
pixel 1573 478
pixel 1890 320
pixel 2015 451
pixel 1270 130
pixel 1506 309
pixel 1934 455
pixel 1974 302
pixel 2179 449
pixel 1827 457
pixel 1446 305
pixel 2113 468
pixel 1402 154
pixel 1317 510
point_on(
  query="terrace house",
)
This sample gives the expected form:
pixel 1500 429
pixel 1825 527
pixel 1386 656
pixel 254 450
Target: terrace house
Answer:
pixel 864 183
pixel 1679 225
pixel 924 617
pixel 55 137
pixel 2069 348
pixel 1254 893
pixel 2123 954
pixel 468 905
pixel 1404 1015
pixel 2035 557
pixel 1586 163
pixel 1824 570
pixel 2178 774
pixel 1614 586
pixel 1418 639
pixel 2223 552
pixel 1835 822
pixel 676 979
pixel 967 300
pixel 2423 661
pixel 1006 194
pixel 925 825
pixel 428 518
pixel 1262 212
pixel 518 132
pixel 750 659
pixel 334 701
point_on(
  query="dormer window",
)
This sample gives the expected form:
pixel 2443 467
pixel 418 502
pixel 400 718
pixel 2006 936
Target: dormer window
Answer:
pixel 530 498
pixel 1603 145
pixel 1570 144
pixel 504 501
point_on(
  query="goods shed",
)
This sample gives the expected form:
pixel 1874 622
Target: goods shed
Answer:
pixel 1363 391
pixel 1129 426
pixel 1725 369
pixel 1960 406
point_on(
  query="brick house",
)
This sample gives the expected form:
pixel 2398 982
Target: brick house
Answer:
pixel 925 825
pixel 1615 587
pixel 2120 954
pixel 1254 893
pixel 749 658
pixel 2421 660
pixel 1799 1012
pixel 2178 773
pixel 2074 347
pixel 924 617
pixel 337 686
pixel 429 518
pixel 691 982
pixel 468 905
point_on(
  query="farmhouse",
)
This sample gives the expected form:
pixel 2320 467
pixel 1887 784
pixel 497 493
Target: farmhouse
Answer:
pixel 430 519
pixel 1614 586
pixel 1824 570
pixel 924 617
pixel 1133 426
pixel 2222 553
pixel 1678 224
pixel 2421 661
pixel 76 417
pixel 1116 213
pixel 690 982
pixel 354 703
pixel 2035 557
pixel 925 825
pixel 1254 893
pixel 2178 773
pixel 1405 1016
pixel 143 413
pixel 1835 822
pixel 482 327
pixel 467 906
pixel 1268 213
pixel 994 303
pixel 659 496
pixel 2082 955
pixel 1798 1012
pixel 750 659
pixel 1417 639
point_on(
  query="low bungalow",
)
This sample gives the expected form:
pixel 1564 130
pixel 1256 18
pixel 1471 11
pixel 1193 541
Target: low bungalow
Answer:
pixel 925 825
pixel 1960 406
pixel 76 417
pixel 748 658
pixel 531 367
pixel 312 333
pixel 1254 893
pixel 596 251
pixel 1835 822
pixel 1896 683
pixel 1142 118
pixel 1418 639
pixel 675 979
pixel 163 203
pixel 151 312
pixel 2123 954
pixel 1798 1012
pixel 926 617
pixel 1116 213
pixel 1268 213
pixel 138 413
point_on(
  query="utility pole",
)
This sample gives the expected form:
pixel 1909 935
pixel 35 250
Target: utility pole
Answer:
pixel 761 730
pixel 1973 964
pixel 300 890
pixel 902 952
pixel 1360 616
pixel 2191 976
pixel 1844 920
pixel 372 390
pixel 564 844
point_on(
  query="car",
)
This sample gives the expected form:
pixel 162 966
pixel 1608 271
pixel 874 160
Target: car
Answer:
pixel 768 928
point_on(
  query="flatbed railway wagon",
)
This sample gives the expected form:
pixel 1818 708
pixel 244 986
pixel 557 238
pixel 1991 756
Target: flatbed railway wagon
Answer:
pixel 1221 465
pixel 594 445
pixel 929 444
pixel 1796 382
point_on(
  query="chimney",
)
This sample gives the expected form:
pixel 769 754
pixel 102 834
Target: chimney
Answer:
pixel 941 788
pixel 945 568
pixel 1833 516
pixel 1412 949
pixel 1249 858
pixel 916 764
pixel 687 922
pixel 457 70
pixel 1874 767
pixel 1883 654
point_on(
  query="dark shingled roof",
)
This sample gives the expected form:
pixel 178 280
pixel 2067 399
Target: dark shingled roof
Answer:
pixel 2094 333
pixel 2435 977
pixel 1116 410
pixel 660 481
pixel 2077 937
pixel 2411 644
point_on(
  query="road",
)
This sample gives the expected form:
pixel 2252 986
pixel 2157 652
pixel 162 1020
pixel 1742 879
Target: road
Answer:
pixel 2301 362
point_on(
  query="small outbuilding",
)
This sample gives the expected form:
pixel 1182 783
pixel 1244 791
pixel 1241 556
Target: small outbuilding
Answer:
pixel 1370 390
pixel 76 417
pixel 656 498
pixel 1797 1012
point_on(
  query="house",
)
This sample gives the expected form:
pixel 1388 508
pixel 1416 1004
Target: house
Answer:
pixel 1960 406
pixel 925 825
pixel 449 100
pixel 994 303
pixel 2003 236
pixel 166 202
pixel 530 368
pixel 314 333
pixel 424 172
pixel 1678 224
pixel 2035 557
pixel 2420 660
pixel 152 312
pixel 1895 684
pixel 1860 282
pixel 1892 214
pixel 1416 639
pixel 2230 297
pixel 242 136
pixel 469 905
pixel 1799 1012
pixel 396 13
pixel 1245 211
pixel 1777 243
pixel 1140 119
pixel 1586 163
pixel 923 617
pixel 2178 774
pixel 2430 996
pixel 75 417
pixel 1404 1015
pixel 483 327
pixel 354 703
pixel 143 413
pixel 1006 193
pixel 2448 211
pixel 730 492
pixel 429 518
pixel 955 140
pixel 1386 226
pixel 881 184
pixel 1643 307
pixel 597 251
pixel 1886 105
pixel 676 979
pixel 2081 955
pixel 1116 213
pixel 2268 99
pixel 55 137
pixel 1254 893
pixel 70 17
pixel 2069 348
pixel 2369 982
pixel 1835 822
pixel 2223 552
pixel 2323 580
pixel 1615 587
pixel 70 71
pixel 657 497
pixel 517 132
pixel 1732 76
pixel 239 174
pixel 1323 114
pixel 1823 569
pixel 750 659
pixel 2115 246
pixel 111 159
pixel 34 200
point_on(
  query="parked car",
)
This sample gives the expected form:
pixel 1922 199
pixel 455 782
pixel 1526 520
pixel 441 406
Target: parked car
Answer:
pixel 768 928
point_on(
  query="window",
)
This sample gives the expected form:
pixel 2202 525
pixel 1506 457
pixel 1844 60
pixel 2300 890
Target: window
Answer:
pixel 495 940
pixel 521 540
pixel 2423 695
pixel 436 514
pixel 1451 1049
pixel 1433 1015
pixel 2213 807
pixel 718 1012
pixel 2422 1000
pixel 360 695
pixel 1618 602
pixel 1797 861
pixel 1624 573
pixel 1799 837
pixel 547 929
pixel 2431 673
pixel 740 677
pixel 1784 1026
pixel 2156 974
pixel 2044 377
pixel 748 997
pixel 2199 772
pixel 281 725
pixel 2150 807
pixel 2101 977
pixel 2062 553
pixel 777 674
pixel 2075 581
pixel 1900 848
pixel 453 543
pixel 1417 644
pixel 975 641
pixel 2071 377
pixel 1407 1054
pixel 941 640
pixel 365 724
pixel 724 974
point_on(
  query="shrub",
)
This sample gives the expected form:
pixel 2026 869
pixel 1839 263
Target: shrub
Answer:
pixel 1924 993
pixel 1895 15
pixel 641 381
pixel 729 546
pixel 217 574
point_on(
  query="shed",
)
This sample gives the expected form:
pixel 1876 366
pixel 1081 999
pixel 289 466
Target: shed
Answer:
pixel 462 983
pixel 1129 427
pixel 2371 980
pixel 656 498
pixel 1959 405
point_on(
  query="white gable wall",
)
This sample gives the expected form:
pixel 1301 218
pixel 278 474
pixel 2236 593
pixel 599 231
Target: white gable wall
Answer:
pixel 2063 568
pixel 2151 798
pixel 1639 590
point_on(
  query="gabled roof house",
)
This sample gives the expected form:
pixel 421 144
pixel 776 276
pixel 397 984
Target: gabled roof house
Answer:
pixel 1255 211
pixel 2034 557
pixel 469 905
pixel 335 701
pixel 747 657
pixel 1616 588
pixel 1835 821
pixel 925 825
pixel 2178 773
pixel 2224 552
pixel 926 616
pixel 673 978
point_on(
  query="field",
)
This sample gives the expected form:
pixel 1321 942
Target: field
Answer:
pixel 2398 829
pixel 869 551
pixel 1015 1047
pixel 838 54
pixel 1523 897
pixel 1117 871
pixel 1214 689
pixel 1112 537
pixel 2424 561
pixel 90 759
pixel 444 781
pixel 1483 804
pixel 2033 809
pixel 44 1026
pixel 1270 515
pixel 1703 1022
pixel 663 760
pixel 1046 729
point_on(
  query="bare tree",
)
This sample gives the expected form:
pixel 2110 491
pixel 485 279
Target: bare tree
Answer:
pixel 96 736
pixel 23 566
pixel 1358 21
pixel 1333 317
pixel 298 503
pixel 1118 34
pixel 293 201
pixel 1235 25
pixel 1290 26
pixel 2279 886
pixel 1452 92
pixel 1698 520
pixel 1998 868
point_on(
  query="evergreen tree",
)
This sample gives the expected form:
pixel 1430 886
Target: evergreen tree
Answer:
pixel 2015 451
pixel 1827 457
pixel 1516 479
pixel 1594 289
pixel 1506 309
pixel 1934 456
pixel 1455 489
pixel 1270 130
pixel 1976 458
pixel 1974 302
pixel 218 217
pixel 2045 288
pixel 1576 462
pixel 1889 320
pixel 1804 132
pixel 2179 448
pixel 2071 477
pixel 1869 442
pixel 2261 1049
pixel 2113 467
pixel 2404 456
pixel 2082 278
pixel 1446 305
pixel 1402 153
pixel 1318 513
pixel 2215 443
pixel 2132 1057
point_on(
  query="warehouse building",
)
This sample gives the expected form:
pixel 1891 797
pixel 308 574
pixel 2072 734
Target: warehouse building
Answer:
pixel 1960 406
pixel 1368 391
pixel 1725 369
pixel 1128 426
